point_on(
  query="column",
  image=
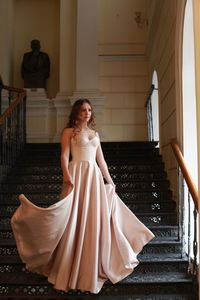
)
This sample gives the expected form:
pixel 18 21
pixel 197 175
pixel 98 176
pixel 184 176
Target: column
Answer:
pixel 67 63
pixel 86 81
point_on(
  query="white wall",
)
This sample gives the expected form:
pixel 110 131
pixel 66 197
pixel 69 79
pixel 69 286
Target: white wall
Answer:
pixel 123 69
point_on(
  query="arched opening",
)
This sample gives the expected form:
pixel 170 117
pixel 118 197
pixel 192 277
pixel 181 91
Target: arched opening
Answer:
pixel 189 98
pixel 155 107
pixel 189 118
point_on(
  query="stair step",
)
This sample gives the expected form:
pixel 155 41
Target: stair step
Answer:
pixel 11 197
pixel 136 207
pixel 147 270
pixel 25 277
pixel 117 177
pixel 159 259
pixel 56 169
pixel 163 286
pixel 110 297
pixel 55 186
pixel 56 160
pixel 169 248
pixel 146 218
pixel 161 233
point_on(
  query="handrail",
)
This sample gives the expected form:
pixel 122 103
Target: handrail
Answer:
pixel 13 89
pixel 191 186
pixel 12 106
pixel 12 128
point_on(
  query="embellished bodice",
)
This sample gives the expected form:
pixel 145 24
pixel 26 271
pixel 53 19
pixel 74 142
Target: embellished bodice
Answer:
pixel 84 148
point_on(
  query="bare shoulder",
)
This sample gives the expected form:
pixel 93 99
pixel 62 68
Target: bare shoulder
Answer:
pixel 96 132
pixel 67 133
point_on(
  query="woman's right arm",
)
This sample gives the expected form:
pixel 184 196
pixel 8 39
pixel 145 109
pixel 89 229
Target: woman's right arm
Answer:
pixel 65 151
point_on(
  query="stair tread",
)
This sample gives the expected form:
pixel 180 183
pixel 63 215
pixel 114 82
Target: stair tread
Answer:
pixel 154 242
pixel 172 277
pixel 156 257
pixel 143 260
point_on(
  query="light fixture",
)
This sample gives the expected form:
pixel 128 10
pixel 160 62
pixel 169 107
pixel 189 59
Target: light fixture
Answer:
pixel 140 19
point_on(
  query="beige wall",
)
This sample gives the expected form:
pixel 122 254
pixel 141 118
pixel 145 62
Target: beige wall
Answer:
pixel 124 81
pixel 118 31
pixel 6 40
pixel 123 69
pixel 162 58
pixel 37 20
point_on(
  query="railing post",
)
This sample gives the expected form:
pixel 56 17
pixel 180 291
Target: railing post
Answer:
pixel 181 206
pixel 189 233
pixel 195 244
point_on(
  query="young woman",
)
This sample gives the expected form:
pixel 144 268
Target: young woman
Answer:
pixel 90 235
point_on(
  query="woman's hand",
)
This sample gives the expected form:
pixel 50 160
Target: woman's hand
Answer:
pixel 68 180
pixel 113 185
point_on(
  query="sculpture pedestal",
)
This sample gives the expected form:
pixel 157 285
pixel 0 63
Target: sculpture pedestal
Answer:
pixel 40 117
pixel 63 108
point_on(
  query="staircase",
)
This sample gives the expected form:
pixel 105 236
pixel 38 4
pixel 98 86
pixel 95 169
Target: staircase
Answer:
pixel 138 171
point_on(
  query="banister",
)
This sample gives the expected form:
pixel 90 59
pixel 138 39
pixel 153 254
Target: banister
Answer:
pixel 12 128
pixel 13 89
pixel 191 185
pixel 12 105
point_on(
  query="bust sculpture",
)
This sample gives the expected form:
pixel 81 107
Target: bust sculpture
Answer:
pixel 35 67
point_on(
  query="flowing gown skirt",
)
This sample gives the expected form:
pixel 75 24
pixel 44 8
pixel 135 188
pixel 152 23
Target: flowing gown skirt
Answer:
pixel 87 237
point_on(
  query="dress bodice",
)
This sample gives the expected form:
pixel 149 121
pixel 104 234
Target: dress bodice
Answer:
pixel 83 148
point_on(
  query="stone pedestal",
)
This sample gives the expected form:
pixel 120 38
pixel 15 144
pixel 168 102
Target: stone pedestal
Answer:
pixel 63 108
pixel 40 117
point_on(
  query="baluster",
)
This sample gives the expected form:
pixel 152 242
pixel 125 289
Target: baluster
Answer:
pixel 9 97
pixel 181 206
pixel 195 244
pixel 189 233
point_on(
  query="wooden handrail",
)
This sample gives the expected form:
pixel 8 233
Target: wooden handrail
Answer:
pixel 12 105
pixel 13 89
pixel 191 185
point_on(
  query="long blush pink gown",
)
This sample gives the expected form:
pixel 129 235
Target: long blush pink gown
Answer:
pixel 87 237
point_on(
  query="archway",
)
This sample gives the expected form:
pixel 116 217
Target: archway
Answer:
pixel 155 107
pixel 189 97
pixel 189 121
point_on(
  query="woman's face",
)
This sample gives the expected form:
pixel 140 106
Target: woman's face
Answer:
pixel 85 113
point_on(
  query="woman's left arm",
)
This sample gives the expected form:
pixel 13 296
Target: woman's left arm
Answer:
pixel 103 166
